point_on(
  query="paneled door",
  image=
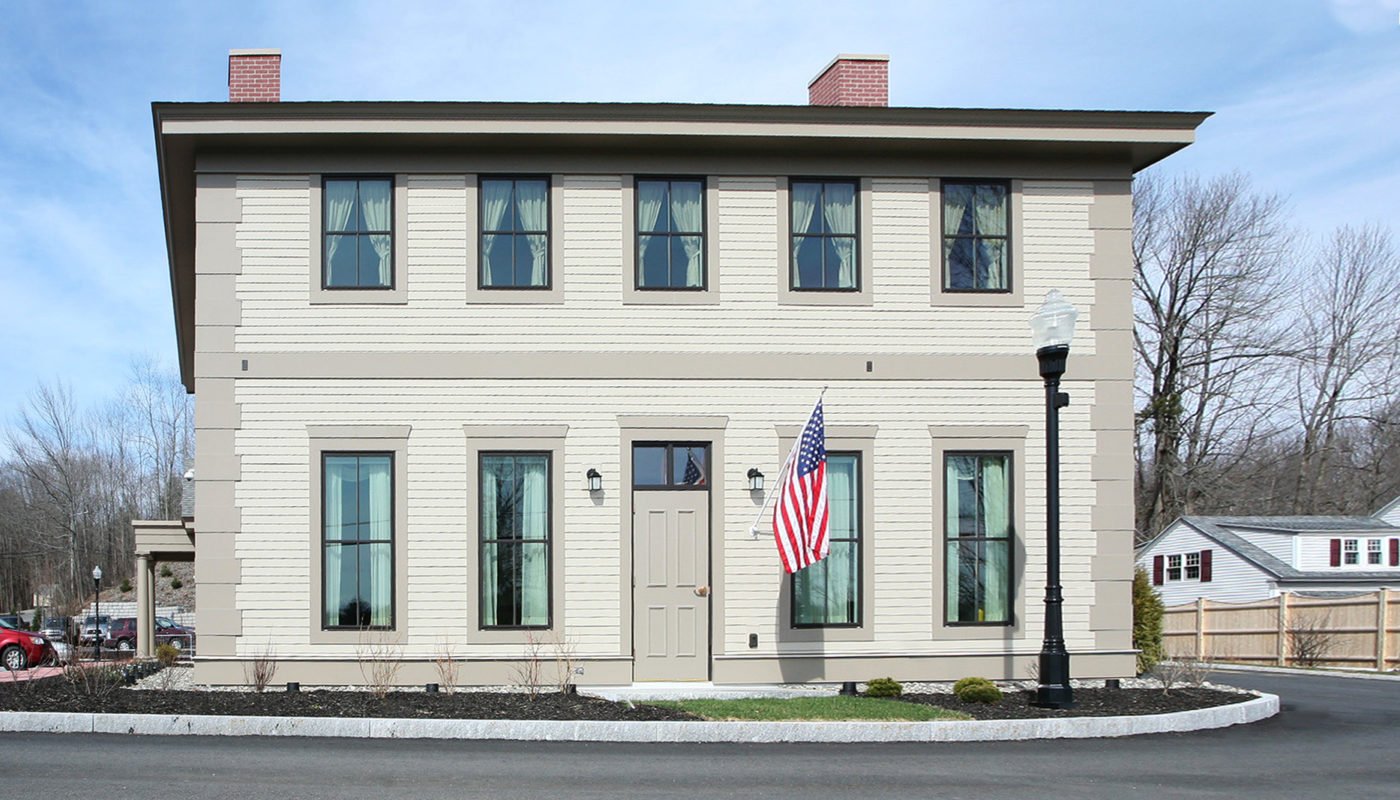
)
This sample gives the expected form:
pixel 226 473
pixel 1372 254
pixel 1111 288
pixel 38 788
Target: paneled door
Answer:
pixel 670 585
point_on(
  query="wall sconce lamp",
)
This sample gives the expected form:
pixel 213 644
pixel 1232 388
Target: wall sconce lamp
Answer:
pixel 755 480
pixel 595 480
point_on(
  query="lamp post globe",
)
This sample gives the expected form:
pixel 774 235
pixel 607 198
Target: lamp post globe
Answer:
pixel 1052 330
pixel 97 613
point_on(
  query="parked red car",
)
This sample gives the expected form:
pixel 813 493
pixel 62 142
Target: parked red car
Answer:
pixel 123 635
pixel 20 649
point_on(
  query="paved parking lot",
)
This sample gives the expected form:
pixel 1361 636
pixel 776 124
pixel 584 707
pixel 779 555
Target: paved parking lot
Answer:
pixel 1336 737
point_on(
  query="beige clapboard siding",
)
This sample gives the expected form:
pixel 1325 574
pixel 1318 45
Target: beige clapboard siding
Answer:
pixel 277 253
pixel 275 542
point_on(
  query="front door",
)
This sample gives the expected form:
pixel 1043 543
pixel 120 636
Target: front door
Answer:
pixel 670 577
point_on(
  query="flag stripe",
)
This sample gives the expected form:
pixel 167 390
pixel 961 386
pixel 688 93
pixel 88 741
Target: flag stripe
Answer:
pixel 800 518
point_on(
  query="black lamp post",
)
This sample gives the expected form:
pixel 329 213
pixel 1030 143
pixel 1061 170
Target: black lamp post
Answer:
pixel 1052 328
pixel 97 613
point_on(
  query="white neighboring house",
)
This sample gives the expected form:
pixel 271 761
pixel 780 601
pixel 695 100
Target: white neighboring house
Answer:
pixel 1244 559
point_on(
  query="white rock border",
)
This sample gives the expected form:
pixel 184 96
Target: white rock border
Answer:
pixel 1261 707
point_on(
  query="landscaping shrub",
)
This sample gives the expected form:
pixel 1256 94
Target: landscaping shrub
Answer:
pixel 977 690
pixel 165 571
pixel 883 687
pixel 176 583
pixel 126 585
pixel 971 680
pixel 1147 622
pixel 167 654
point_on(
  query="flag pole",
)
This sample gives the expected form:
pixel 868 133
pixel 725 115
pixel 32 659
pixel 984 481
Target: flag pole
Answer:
pixel 782 473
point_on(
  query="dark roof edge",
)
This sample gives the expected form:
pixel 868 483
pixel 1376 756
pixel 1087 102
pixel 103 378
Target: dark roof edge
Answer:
pixel 682 112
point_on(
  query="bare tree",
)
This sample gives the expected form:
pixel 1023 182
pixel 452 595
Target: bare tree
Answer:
pixel 1208 272
pixel 1347 356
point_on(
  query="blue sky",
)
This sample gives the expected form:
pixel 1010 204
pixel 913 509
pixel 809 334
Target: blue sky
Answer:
pixel 1306 95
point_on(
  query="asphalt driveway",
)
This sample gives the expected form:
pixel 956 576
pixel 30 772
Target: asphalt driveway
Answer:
pixel 1336 738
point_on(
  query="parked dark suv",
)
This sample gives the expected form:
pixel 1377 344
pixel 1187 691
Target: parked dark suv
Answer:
pixel 123 636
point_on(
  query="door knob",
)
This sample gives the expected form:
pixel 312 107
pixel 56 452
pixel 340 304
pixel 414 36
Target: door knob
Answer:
pixel 702 591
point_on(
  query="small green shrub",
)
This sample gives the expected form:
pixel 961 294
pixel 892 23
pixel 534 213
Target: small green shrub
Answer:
pixel 126 585
pixel 1147 622
pixel 971 680
pixel 883 687
pixel 167 654
pixel 176 583
pixel 979 690
pixel 165 571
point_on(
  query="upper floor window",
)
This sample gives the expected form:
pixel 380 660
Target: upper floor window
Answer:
pixel 825 256
pixel 977 533
pixel 670 234
pixel 976 225
pixel 1373 551
pixel 1174 568
pixel 1193 566
pixel 827 593
pixel 514 233
pixel 358 238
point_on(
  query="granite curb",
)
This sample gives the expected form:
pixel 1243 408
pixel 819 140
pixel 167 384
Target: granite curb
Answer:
pixel 1325 673
pixel 1261 707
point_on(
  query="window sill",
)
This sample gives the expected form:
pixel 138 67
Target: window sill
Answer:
pixel 347 297
pixel 670 297
pixel 513 295
pixel 944 299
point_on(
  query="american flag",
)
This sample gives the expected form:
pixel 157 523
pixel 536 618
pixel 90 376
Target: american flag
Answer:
pixel 800 518
pixel 693 476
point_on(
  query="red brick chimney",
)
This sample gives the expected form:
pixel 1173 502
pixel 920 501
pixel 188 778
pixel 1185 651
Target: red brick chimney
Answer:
pixel 852 80
pixel 254 76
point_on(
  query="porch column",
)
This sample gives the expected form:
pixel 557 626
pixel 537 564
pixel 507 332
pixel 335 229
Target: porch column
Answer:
pixel 145 607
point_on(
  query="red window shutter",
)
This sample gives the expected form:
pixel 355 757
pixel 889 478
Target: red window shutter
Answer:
pixel 1158 565
pixel 1395 552
pixel 1336 552
pixel 1205 566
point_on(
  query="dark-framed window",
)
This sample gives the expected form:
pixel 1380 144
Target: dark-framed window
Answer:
pixel 515 534
pixel 514 220
pixel 357 224
pixel 671 233
pixel 824 220
pixel 827 593
pixel 357 535
pixel 976 236
pixel 671 465
pixel 978 534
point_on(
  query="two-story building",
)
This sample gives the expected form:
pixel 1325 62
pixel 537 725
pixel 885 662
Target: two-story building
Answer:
pixel 472 375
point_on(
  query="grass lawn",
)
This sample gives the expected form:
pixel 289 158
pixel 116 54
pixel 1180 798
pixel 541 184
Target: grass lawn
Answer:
pixel 768 709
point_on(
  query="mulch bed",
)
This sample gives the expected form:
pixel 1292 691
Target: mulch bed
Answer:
pixel 1087 703
pixel 55 694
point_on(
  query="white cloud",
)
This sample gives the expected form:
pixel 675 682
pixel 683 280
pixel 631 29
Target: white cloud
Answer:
pixel 1367 16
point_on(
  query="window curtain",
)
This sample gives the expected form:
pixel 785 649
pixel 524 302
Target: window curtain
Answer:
pixel 990 213
pixel 374 204
pixel 331 519
pixel 840 212
pixel 532 204
pixel 340 203
pixel 805 197
pixel 375 472
pixel 489 534
pixel 534 601
pixel 958 470
pixel 841 568
pixel 650 197
pixel 995 508
pixel 495 199
pixel 686 213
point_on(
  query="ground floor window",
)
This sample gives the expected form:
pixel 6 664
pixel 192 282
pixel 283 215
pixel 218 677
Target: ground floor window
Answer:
pixel 827 593
pixel 515 534
pixel 1373 551
pixel 1350 553
pixel 977 536
pixel 358 540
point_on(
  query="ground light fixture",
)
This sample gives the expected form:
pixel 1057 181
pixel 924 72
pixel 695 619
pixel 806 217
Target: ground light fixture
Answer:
pixel 595 480
pixel 97 613
pixel 755 480
pixel 1052 329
